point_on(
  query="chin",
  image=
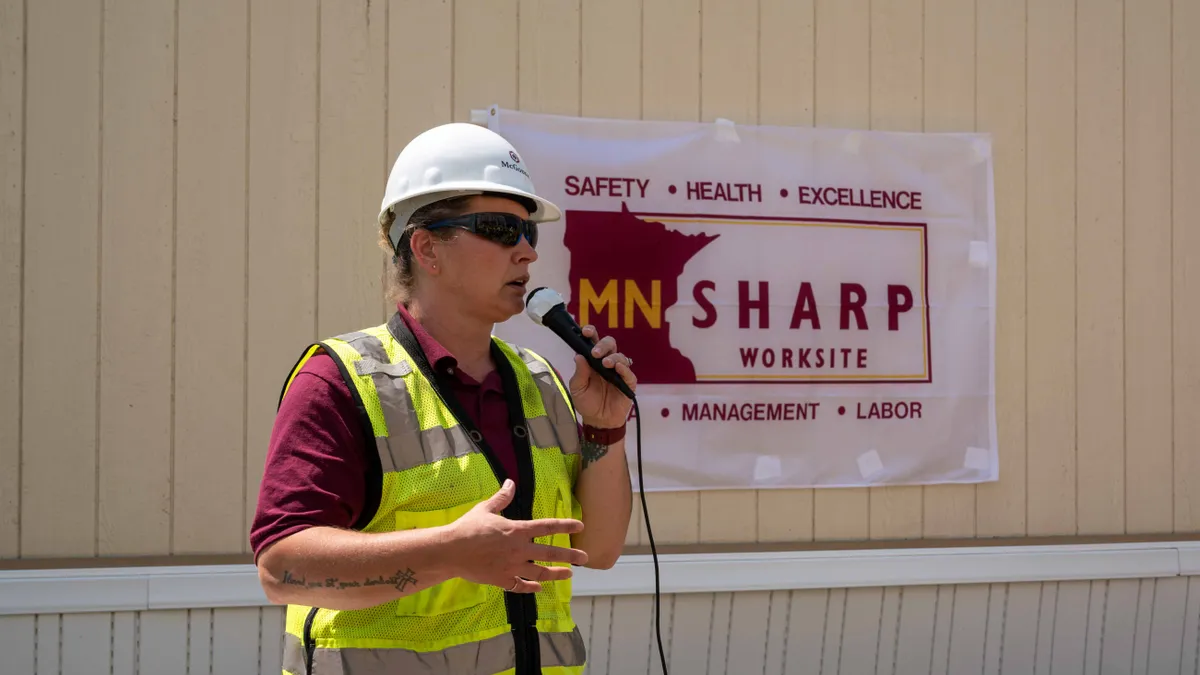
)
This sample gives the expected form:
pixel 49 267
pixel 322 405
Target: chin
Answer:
pixel 508 308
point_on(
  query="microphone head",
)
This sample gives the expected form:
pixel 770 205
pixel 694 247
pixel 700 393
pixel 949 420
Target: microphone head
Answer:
pixel 540 301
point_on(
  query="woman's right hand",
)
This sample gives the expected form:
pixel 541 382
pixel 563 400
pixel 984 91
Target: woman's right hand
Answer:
pixel 492 549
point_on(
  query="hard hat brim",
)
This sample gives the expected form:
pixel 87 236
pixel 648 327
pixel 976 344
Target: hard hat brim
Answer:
pixel 545 212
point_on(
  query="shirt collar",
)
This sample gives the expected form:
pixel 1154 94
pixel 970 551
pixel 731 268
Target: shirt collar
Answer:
pixel 440 358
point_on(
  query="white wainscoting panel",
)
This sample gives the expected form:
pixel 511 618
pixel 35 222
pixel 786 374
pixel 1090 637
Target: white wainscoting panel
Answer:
pixel 1147 626
pixel 1091 610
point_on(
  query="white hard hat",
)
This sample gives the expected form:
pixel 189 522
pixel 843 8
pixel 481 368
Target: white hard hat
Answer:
pixel 453 160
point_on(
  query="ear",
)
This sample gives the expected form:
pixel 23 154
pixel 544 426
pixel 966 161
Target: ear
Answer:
pixel 425 250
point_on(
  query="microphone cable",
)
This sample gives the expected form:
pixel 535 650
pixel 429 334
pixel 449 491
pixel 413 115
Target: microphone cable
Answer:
pixel 546 307
pixel 650 535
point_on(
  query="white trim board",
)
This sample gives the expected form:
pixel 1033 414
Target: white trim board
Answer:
pixel 210 586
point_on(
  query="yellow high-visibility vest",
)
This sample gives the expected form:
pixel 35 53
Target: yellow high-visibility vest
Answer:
pixel 434 471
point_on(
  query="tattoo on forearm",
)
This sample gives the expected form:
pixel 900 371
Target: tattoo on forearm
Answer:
pixel 592 452
pixel 399 581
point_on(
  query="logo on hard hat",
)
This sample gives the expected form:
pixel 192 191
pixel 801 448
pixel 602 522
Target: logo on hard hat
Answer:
pixel 513 165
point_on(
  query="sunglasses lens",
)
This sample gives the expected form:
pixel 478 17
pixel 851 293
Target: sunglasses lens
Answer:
pixel 505 228
pixel 498 228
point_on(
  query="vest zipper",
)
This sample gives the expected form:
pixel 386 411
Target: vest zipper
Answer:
pixel 310 646
pixel 521 608
pixel 524 610
pixel 522 614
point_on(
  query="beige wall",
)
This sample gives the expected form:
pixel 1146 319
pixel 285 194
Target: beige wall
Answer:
pixel 187 192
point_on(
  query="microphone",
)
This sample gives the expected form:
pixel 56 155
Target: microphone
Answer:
pixel 547 308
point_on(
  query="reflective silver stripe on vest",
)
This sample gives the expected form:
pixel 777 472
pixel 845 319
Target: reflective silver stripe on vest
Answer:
pixel 395 452
pixel 351 337
pixel 543 432
pixel 563 423
pixel 558 428
pixel 491 656
pixel 398 413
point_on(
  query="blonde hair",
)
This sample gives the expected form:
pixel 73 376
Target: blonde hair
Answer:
pixel 398 279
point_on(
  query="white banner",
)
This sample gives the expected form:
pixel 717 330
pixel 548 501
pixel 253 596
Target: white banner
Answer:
pixel 805 307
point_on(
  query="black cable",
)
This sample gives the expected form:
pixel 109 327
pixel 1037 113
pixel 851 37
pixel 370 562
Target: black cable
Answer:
pixel 653 551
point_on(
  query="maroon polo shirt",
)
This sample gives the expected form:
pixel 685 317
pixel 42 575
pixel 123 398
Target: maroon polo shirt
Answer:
pixel 316 468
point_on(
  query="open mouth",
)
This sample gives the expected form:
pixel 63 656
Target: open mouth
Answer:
pixel 518 283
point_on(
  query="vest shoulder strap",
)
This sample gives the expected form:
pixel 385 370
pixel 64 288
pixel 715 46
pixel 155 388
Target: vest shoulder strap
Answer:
pixel 541 370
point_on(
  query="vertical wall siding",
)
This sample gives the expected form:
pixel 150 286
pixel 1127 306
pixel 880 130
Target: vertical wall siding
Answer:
pixel 136 269
pixel 12 258
pixel 282 302
pixel 243 640
pixel 1146 626
pixel 188 192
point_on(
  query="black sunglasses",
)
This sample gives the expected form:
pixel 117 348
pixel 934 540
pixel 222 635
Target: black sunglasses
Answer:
pixel 503 228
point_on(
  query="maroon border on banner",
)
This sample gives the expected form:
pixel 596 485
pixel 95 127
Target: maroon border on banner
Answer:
pixel 851 221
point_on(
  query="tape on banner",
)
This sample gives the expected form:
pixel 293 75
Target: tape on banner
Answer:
pixel 978 459
pixel 726 131
pixel 767 467
pixel 978 255
pixel 479 117
pixel 869 464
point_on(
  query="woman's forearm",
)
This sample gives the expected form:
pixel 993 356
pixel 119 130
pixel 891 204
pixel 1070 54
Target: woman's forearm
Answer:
pixel 343 569
pixel 606 497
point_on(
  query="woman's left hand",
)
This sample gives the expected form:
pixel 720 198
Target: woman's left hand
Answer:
pixel 600 403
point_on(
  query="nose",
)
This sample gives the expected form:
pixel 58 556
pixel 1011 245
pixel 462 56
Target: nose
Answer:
pixel 523 252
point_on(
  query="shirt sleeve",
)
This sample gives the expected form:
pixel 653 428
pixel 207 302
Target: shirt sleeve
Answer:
pixel 315 471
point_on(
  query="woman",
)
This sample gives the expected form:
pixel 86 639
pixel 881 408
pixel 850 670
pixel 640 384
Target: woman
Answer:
pixel 428 486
